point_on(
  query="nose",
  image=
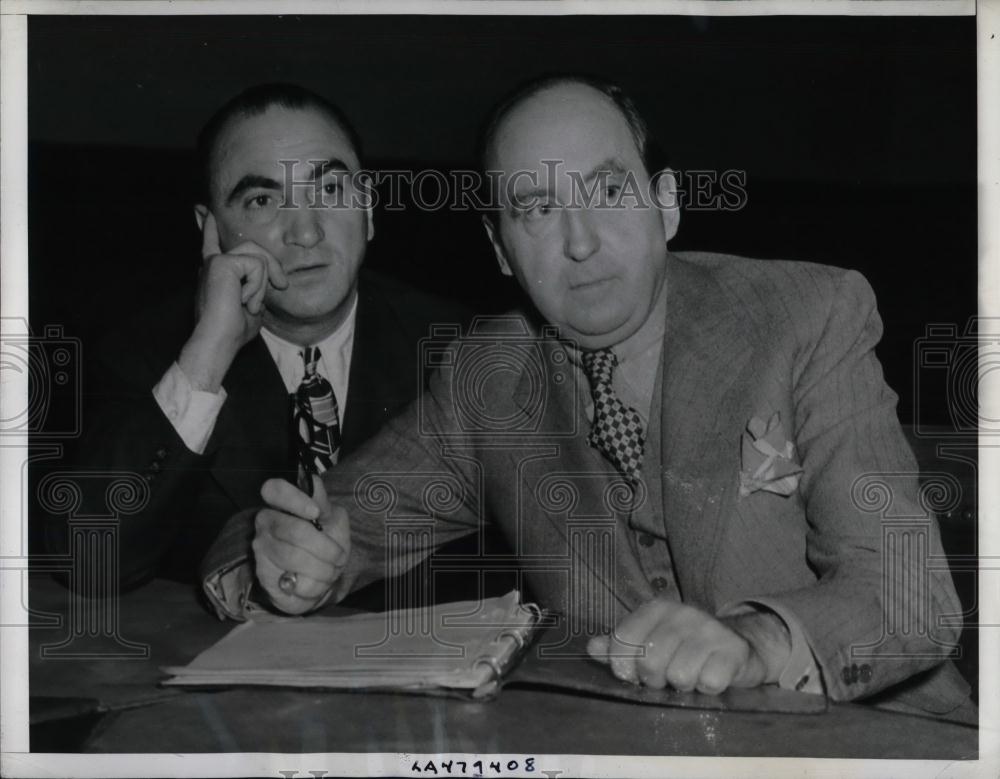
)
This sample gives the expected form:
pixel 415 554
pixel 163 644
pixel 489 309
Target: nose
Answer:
pixel 580 238
pixel 303 227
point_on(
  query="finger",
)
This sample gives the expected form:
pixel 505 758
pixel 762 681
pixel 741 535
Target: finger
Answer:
pixel 336 521
pixel 271 265
pixel 291 557
pixel 310 588
pixel 254 263
pixel 250 271
pixel 301 535
pixel 256 301
pixel 283 496
pixel 253 284
pixel 268 574
pixel 660 646
pixel 209 237
pixel 684 669
pixel 251 249
pixel 621 657
pixel 718 673
pixel 629 638
pixel 275 273
pixel 597 648
pixel 303 587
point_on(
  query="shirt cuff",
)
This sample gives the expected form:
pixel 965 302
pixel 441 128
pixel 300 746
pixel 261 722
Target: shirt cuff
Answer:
pixel 228 591
pixel 191 412
pixel 801 672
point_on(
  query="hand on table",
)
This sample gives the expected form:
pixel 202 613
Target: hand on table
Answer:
pixel 286 541
pixel 666 642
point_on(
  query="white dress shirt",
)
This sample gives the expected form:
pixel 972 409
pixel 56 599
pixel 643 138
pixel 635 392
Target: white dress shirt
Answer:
pixel 193 412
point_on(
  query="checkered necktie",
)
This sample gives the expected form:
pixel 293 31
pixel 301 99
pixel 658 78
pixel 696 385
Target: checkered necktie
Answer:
pixel 316 417
pixel 616 431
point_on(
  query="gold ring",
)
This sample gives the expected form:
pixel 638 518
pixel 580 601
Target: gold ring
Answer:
pixel 287 582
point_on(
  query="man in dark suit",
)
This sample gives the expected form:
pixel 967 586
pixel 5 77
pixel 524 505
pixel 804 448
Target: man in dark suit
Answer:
pixel 207 398
pixel 684 474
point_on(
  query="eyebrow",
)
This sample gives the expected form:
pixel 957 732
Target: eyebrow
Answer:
pixel 611 165
pixel 255 181
pixel 321 168
pixel 251 181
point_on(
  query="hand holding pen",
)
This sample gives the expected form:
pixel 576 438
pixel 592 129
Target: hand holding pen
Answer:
pixel 299 562
pixel 303 480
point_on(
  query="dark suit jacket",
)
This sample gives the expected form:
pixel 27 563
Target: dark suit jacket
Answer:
pixel 191 495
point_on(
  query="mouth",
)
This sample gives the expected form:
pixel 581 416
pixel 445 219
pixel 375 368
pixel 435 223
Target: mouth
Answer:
pixel 305 270
pixel 586 286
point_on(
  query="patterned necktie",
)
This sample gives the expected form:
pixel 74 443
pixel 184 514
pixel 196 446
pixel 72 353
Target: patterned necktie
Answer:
pixel 316 416
pixel 616 431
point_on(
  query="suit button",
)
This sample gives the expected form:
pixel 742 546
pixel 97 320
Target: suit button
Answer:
pixel 155 466
pixel 866 673
pixel 161 453
pixel 845 674
pixel 659 584
pixel 646 539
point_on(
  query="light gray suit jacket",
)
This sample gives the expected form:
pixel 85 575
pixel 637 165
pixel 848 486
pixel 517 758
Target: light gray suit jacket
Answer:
pixel 853 553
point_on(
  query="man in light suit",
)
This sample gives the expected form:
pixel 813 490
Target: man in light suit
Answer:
pixel 198 393
pixel 680 474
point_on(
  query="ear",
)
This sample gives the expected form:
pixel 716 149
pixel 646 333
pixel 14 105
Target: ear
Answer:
pixel 667 202
pixel 200 214
pixel 497 247
pixel 369 206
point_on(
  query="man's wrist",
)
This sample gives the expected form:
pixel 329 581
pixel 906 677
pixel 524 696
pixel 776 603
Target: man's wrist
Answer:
pixel 767 636
pixel 205 361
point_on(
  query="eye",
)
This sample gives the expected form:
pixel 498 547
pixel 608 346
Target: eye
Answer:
pixel 331 187
pixel 539 211
pixel 258 202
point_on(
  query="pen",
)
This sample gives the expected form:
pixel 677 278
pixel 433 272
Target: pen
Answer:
pixel 303 479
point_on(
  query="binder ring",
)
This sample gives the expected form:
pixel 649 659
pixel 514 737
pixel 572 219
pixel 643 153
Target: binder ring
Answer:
pixel 492 663
pixel 518 638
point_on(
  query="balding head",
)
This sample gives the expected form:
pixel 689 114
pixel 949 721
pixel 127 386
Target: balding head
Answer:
pixel 578 224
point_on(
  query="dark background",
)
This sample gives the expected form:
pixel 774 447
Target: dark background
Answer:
pixel 857 136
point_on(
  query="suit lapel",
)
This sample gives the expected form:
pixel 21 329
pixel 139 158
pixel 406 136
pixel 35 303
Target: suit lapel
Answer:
pixel 590 479
pixel 252 437
pixel 705 354
pixel 383 369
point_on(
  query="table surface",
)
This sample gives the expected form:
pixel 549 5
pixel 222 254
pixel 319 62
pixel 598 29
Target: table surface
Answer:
pixel 163 624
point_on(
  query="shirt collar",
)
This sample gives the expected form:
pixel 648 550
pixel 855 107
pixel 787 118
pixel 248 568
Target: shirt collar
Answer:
pixel 649 334
pixel 335 352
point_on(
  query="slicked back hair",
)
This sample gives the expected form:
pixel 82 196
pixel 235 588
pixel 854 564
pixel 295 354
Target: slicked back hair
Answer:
pixel 650 152
pixel 253 102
